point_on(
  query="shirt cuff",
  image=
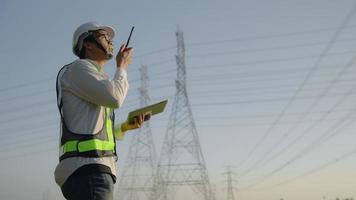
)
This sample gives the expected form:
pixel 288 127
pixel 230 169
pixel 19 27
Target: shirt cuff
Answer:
pixel 120 74
pixel 119 135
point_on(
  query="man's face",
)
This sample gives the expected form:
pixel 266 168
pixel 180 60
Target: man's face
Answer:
pixel 104 40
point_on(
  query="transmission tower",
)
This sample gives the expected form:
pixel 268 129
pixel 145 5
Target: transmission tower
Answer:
pixel 229 180
pixel 138 176
pixel 182 163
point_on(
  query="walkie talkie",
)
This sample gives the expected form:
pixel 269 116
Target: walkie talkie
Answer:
pixel 128 40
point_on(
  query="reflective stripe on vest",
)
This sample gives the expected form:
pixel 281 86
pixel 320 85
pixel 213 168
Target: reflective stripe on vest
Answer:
pixel 92 144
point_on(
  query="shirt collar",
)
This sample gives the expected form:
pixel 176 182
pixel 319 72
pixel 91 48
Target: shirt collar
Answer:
pixel 95 64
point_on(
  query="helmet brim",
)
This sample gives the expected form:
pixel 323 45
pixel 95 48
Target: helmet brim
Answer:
pixel 110 30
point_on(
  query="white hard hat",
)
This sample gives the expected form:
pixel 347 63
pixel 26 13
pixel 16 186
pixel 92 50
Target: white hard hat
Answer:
pixel 83 31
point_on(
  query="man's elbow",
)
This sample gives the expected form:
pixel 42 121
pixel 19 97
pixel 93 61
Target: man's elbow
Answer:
pixel 116 98
pixel 115 103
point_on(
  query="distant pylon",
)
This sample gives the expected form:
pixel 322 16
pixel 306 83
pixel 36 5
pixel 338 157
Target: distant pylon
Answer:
pixel 229 180
pixel 138 175
pixel 181 160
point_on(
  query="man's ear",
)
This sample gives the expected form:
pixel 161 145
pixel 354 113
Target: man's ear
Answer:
pixel 87 45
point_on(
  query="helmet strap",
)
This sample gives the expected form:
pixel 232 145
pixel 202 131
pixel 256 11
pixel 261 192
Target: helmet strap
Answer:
pixel 108 55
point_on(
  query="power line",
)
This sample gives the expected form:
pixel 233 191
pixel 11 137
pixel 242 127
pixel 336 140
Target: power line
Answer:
pixel 28 106
pixel 236 93
pixel 16 119
pixel 245 51
pixel 309 109
pixel 242 75
pixel 171 60
pixel 27 133
pixel 248 38
pixel 271 72
pixel 323 118
pixel 253 101
pixel 318 61
pixel 279 35
pixel 26 95
pixel 26 124
pixel 26 84
pixel 317 169
pixel 254 50
pixel 314 145
pixel 31 136
pixel 28 153
pixel 208 43
pixel 310 172
pixel 38 141
pixel 156 51
pixel 27 142
pixel 34 133
pixel 273 87
pixel 264 61
pixel 334 130
pixel 250 89
pixel 266 100
pixel 270 115
pixel 260 124
pixel 262 100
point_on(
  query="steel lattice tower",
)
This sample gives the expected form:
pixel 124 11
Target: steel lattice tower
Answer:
pixel 138 175
pixel 182 162
pixel 229 180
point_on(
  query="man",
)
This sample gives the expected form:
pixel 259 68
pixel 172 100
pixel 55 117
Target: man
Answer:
pixel 86 99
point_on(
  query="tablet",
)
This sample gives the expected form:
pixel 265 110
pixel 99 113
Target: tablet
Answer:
pixel 153 109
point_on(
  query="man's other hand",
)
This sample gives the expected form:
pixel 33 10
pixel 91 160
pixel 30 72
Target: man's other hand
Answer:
pixel 137 123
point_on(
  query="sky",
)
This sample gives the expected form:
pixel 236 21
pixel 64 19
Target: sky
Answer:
pixel 271 85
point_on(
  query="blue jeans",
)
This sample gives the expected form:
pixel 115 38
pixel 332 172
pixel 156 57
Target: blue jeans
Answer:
pixel 95 186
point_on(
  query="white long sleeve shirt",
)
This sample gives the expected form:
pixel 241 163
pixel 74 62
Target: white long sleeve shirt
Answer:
pixel 85 91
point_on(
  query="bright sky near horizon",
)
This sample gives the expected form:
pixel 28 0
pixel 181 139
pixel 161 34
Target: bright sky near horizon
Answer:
pixel 271 85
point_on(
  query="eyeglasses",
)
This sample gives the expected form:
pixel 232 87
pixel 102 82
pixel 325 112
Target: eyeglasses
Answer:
pixel 99 34
pixel 107 38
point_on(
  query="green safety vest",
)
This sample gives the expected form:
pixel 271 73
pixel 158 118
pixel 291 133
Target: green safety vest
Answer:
pixel 73 144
